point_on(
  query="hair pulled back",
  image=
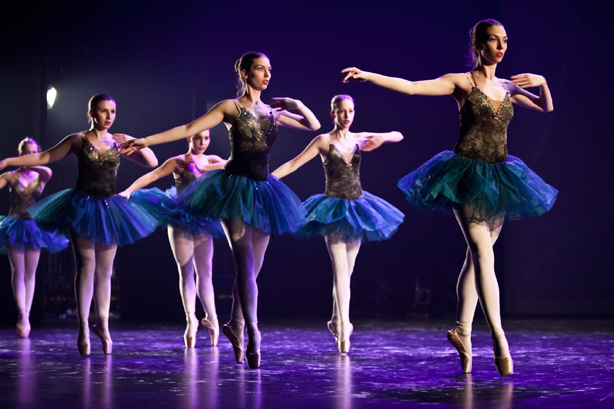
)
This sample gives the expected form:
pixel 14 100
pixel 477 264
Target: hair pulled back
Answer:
pixel 245 63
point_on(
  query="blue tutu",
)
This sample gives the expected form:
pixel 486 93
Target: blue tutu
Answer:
pixel 163 207
pixel 111 220
pixel 27 232
pixel 507 188
pixel 368 218
pixel 269 206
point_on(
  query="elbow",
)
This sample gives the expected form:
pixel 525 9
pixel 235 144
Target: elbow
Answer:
pixel 398 136
pixel 152 162
pixel 315 126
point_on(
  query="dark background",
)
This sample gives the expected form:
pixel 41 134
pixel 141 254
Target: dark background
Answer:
pixel 166 64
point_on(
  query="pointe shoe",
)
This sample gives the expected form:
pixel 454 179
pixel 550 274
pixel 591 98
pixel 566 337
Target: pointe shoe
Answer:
pixel 253 357
pixel 235 340
pixel 505 365
pixel 23 331
pixel 344 344
pixel 189 336
pixel 214 330
pixel 84 346
pixel 332 327
pixel 465 356
pixel 107 343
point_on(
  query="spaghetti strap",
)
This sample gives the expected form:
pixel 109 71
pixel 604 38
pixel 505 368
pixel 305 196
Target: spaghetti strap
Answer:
pixel 239 108
pixel 470 81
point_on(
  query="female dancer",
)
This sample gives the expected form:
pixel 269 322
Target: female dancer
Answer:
pixel 478 182
pixel 344 214
pixel 191 239
pixel 96 219
pixel 251 204
pixel 20 237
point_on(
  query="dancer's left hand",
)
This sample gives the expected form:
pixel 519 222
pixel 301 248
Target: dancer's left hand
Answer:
pixel 125 194
pixel 528 80
pixel 372 142
pixel 132 145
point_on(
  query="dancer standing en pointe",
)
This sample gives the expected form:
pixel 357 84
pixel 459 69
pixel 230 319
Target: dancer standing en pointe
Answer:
pixel 96 219
pixel 250 202
pixel 20 237
pixel 478 182
pixel 191 238
pixel 345 214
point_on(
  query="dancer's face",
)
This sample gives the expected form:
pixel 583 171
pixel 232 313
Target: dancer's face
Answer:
pixel 259 74
pixel 28 149
pixel 200 142
pixel 493 50
pixel 104 114
pixel 343 113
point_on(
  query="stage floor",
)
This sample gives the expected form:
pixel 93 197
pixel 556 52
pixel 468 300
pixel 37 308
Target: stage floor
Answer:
pixel 558 363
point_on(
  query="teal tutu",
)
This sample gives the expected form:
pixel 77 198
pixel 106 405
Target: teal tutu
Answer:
pixel 507 188
pixel 269 206
pixel 111 220
pixel 27 232
pixel 368 218
pixel 163 207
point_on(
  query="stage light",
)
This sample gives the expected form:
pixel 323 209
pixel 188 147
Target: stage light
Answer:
pixel 52 94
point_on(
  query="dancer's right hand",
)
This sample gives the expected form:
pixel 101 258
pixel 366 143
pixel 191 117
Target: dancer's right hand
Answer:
pixel 125 194
pixel 355 75
pixel 2 164
pixel 133 145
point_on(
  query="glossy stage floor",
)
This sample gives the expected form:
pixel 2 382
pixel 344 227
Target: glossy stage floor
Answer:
pixel 391 364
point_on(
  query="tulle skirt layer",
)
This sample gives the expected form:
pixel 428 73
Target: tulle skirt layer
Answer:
pixel 112 220
pixel 163 207
pixel 368 218
pixel 269 206
pixel 505 189
pixel 27 232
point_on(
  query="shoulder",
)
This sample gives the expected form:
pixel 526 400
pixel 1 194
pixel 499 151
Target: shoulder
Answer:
pixel 214 158
pixel 176 161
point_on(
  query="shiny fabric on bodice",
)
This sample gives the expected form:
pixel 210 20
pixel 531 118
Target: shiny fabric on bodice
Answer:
pixel 483 130
pixel 22 198
pixel 97 171
pixel 185 178
pixel 342 177
pixel 250 145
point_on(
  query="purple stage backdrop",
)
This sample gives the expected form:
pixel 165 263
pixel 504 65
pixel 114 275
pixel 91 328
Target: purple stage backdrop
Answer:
pixel 168 63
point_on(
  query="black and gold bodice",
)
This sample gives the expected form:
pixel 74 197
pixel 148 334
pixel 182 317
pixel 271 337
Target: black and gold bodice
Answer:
pixel 483 129
pixel 342 177
pixel 97 171
pixel 250 145
pixel 185 178
pixel 24 197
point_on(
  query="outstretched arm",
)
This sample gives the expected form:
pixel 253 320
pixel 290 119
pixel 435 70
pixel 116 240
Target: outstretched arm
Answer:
pixel 306 121
pixel 170 166
pixel 7 178
pixel 444 85
pixel 56 153
pixel 371 140
pixel 44 173
pixel 212 118
pixel 524 98
pixel 310 152
pixel 215 163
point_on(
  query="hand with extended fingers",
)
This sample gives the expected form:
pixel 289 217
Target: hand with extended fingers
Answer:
pixel 284 103
pixel 528 80
pixel 133 145
pixel 372 142
pixel 353 74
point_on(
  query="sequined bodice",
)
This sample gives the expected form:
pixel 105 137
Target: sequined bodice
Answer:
pixel 342 177
pixel 483 130
pixel 24 197
pixel 250 145
pixel 185 178
pixel 97 171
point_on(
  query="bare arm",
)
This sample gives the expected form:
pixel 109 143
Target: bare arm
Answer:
pixel 56 153
pixel 145 157
pixel 525 99
pixel 306 121
pixel 215 163
pixel 444 85
pixel 371 140
pixel 172 165
pixel 224 109
pixel 316 146
pixel 44 173
pixel 7 178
